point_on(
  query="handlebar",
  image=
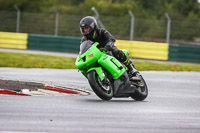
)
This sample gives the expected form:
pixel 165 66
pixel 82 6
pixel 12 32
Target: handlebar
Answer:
pixel 103 49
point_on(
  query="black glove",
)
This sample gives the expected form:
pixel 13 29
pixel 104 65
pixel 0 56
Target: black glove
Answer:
pixel 109 46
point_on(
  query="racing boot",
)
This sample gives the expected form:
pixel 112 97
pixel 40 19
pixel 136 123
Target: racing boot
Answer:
pixel 132 70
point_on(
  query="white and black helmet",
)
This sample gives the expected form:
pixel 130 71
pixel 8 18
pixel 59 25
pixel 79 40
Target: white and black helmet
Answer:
pixel 88 21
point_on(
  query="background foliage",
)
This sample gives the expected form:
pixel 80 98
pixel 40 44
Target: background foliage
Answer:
pixel 178 9
pixel 150 22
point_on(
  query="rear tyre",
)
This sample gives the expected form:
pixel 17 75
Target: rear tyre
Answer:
pixel 101 89
pixel 141 92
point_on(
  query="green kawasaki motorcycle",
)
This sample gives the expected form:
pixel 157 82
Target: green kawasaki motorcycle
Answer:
pixel 106 75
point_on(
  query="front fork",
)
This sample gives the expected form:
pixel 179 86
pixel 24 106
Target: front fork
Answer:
pixel 99 71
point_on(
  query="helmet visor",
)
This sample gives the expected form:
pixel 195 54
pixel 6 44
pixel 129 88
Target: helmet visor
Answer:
pixel 85 30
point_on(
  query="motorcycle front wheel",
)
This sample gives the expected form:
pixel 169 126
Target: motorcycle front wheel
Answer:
pixel 101 89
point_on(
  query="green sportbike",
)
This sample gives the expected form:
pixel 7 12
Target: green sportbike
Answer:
pixel 107 76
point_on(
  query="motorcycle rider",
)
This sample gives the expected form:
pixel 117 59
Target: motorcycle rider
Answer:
pixel 90 31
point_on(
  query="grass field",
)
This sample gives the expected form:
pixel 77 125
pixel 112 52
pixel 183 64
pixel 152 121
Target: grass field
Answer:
pixel 20 60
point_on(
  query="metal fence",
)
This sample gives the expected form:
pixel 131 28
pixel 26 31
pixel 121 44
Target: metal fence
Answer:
pixel 121 27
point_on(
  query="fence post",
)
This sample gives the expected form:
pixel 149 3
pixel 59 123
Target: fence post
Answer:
pixel 132 25
pixel 18 17
pixel 56 22
pixel 168 28
pixel 97 16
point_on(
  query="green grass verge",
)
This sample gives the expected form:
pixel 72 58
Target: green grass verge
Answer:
pixel 20 60
pixel 143 66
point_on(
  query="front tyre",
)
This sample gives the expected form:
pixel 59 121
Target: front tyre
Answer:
pixel 141 92
pixel 102 90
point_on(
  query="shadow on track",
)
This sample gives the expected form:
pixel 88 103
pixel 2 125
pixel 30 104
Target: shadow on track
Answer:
pixel 114 101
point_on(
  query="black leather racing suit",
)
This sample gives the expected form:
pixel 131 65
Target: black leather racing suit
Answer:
pixel 104 38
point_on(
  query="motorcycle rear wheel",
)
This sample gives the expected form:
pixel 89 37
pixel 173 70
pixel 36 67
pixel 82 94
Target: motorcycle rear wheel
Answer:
pixel 141 92
pixel 103 91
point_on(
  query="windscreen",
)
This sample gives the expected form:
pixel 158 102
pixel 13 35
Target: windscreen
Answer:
pixel 85 46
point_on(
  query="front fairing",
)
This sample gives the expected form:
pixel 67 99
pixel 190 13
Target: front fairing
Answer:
pixel 91 55
pixel 88 57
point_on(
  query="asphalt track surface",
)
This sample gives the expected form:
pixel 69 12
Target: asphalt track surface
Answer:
pixel 173 105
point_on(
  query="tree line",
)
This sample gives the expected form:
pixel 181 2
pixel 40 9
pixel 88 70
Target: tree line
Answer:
pixel 185 11
pixel 178 9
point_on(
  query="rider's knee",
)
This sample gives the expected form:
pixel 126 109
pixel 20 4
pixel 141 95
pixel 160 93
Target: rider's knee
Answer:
pixel 119 55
